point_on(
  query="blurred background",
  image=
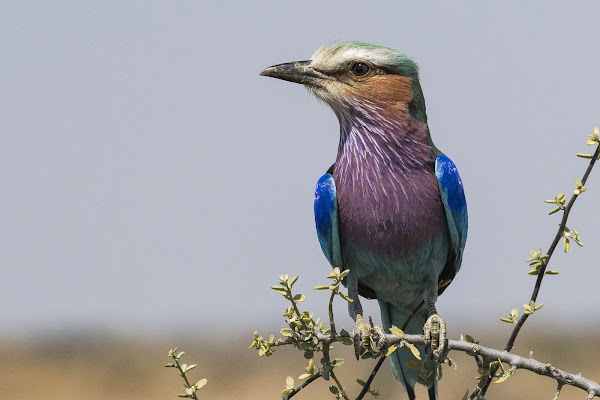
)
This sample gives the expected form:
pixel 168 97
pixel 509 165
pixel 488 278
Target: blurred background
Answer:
pixel 154 186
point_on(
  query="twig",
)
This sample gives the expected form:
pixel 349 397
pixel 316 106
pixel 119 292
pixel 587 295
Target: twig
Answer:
pixel 331 367
pixel 365 388
pixel 187 382
pixel 304 384
pixel 541 273
pixel 331 319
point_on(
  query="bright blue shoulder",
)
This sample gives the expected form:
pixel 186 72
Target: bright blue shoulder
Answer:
pixel 326 219
pixel 455 204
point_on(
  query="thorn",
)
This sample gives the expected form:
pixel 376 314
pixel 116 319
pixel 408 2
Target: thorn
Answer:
pixel 591 394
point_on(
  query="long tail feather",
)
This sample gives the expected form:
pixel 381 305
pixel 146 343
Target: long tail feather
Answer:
pixel 392 316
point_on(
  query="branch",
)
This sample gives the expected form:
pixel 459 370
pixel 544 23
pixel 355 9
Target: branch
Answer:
pixel 542 270
pixel 487 353
pixel 559 234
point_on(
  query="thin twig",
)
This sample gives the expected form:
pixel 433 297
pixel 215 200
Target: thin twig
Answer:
pixel 331 319
pixel 304 384
pixel 187 382
pixel 328 363
pixel 367 385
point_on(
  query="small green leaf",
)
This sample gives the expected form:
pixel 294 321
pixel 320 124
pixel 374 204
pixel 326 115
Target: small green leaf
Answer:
pixel 321 287
pixel 287 332
pixel 347 341
pixel 391 350
pixel 470 339
pixel 554 211
pixel 170 365
pixel 414 351
pixel 180 354
pixel 337 362
pixel 551 272
pixel 280 290
pixel 189 368
pixel 397 332
pixel 311 368
pixel 503 377
pixel 289 382
pixel 334 389
pixel 200 384
pixel 345 297
pixel 299 298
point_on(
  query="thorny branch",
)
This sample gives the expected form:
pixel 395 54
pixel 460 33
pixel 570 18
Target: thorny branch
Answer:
pixel 538 283
pixel 487 353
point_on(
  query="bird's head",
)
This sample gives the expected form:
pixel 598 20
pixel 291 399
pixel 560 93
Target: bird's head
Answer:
pixel 351 76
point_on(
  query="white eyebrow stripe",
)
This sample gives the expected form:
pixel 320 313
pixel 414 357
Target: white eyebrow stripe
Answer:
pixel 333 59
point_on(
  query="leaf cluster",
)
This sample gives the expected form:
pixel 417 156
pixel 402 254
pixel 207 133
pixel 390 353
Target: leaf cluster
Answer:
pixel 190 390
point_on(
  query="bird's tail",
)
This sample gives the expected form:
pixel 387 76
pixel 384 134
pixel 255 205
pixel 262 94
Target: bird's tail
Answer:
pixel 405 367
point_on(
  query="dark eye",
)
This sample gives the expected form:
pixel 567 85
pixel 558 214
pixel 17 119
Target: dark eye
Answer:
pixel 360 68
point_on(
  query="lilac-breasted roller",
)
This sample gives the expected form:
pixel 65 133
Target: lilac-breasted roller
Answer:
pixel 391 209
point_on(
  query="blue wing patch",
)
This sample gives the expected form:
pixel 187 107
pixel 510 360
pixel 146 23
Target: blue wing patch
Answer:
pixel 455 205
pixel 326 220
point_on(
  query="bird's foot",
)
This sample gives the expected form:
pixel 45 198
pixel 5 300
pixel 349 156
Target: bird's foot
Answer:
pixel 435 337
pixel 367 337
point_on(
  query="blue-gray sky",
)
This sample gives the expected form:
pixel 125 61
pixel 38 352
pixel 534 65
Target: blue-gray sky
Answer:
pixel 151 177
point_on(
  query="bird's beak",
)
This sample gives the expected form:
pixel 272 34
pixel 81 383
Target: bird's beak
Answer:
pixel 298 72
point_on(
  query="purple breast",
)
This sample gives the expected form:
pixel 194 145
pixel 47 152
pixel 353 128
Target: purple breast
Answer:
pixel 388 196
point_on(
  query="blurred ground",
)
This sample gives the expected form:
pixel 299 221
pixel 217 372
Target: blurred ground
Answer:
pixel 79 366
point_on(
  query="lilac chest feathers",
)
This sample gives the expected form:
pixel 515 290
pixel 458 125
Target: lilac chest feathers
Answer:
pixel 388 196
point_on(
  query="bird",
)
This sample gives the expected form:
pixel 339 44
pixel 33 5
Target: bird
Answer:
pixel 391 209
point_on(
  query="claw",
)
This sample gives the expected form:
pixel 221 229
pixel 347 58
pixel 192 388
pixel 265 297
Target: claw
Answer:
pixel 435 336
pixel 361 335
pixel 367 337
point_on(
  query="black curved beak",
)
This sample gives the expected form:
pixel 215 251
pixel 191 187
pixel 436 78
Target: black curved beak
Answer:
pixel 297 72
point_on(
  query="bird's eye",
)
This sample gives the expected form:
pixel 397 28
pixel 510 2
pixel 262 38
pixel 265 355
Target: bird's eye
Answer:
pixel 360 69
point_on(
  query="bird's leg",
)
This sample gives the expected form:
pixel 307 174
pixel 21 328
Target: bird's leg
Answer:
pixel 363 334
pixel 435 331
